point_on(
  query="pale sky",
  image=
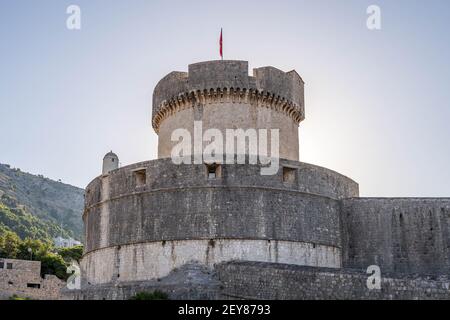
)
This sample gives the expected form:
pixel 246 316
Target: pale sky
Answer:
pixel 377 101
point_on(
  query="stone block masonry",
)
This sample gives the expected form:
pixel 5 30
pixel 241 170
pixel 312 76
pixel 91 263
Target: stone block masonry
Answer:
pixel 401 235
pixel 263 281
pixel 152 260
pixel 223 96
pixel 180 216
pixel 23 278
pixel 302 233
pixel 253 280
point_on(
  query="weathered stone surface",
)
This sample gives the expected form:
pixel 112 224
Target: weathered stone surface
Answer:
pixel 23 279
pixel 223 96
pixel 254 236
pixel 178 202
pixel 261 280
pixel 403 235
pixel 189 282
pixel 253 280
pixel 151 260
pixel 229 74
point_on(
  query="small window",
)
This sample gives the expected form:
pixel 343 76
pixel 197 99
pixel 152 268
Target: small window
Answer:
pixel 112 159
pixel 2 265
pixel 33 285
pixel 10 283
pixel 289 175
pixel 141 177
pixel 213 171
pixel 9 265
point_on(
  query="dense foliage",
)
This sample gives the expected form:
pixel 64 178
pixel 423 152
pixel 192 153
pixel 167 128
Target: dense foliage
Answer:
pixel 33 210
pixel 53 204
pixel 155 295
pixel 73 253
pixel 52 261
pixel 16 297
pixel 25 225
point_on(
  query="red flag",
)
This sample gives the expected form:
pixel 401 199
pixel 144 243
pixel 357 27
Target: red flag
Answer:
pixel 221 44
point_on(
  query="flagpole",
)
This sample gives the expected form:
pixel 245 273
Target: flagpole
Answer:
pixel 221 43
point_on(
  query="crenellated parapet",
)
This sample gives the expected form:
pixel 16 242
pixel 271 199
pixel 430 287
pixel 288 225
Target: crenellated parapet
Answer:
pixel 231 95
pixel 229 82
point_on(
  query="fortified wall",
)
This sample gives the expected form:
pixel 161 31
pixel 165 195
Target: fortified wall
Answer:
pixel 255 280
pixel 299 232
pixel 179 215
pixel 401 235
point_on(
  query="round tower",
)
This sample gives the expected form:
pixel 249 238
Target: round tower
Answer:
pixel 222 95
pixel 147 219
pixel 110 162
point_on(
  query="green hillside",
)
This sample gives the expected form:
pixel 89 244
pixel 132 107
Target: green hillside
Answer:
pixel 25 225
pixel 36 207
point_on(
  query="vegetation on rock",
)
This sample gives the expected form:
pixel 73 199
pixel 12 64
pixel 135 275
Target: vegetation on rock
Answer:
pixel 155 295
pixel 39 207
pixel 33 211
pixel 53 261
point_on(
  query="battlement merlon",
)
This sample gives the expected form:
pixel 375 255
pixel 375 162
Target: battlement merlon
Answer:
pixel 284 89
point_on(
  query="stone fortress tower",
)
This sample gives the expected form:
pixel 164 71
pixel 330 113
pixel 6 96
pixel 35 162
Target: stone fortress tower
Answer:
pixel 223 96
pixel 147 221
pixel 110 162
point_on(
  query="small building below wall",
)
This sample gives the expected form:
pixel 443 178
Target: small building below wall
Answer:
pixel 23 279
pixel 61 242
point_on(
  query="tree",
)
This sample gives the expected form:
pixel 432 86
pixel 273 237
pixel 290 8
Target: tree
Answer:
pixel 12 247
pixel 72 253
pixel 52 263
pixel 9 245
pixel 38 249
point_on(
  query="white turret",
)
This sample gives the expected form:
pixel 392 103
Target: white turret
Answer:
pixel 110 162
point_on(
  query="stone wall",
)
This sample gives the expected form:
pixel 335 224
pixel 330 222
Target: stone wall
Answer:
pixel 253 280
pixel 142 231
pixel 227 114
pixel 409 235
pixel 24 280
pixel 217 212
pixel 164 174
pixel 260 280
pixel 223 96
pixel 178 202
pixel 189 282
pixel 152 260
pixel 229 74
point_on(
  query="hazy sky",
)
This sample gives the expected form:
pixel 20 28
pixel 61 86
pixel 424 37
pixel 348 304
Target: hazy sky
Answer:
pixel 377 102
